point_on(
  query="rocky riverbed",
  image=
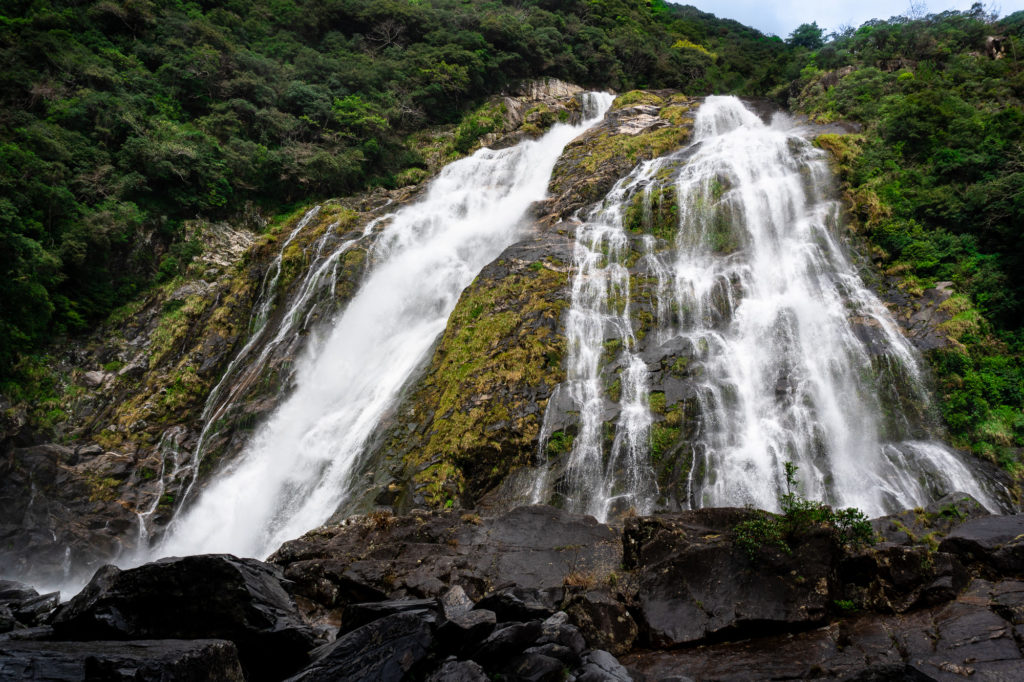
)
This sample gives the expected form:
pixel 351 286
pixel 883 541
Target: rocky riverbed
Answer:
pixel 538 593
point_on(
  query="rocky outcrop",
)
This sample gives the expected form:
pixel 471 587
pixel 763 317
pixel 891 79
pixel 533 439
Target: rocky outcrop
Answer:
pixel 423 554
pixel 137 661
pixel 695 584
pixel 965 638
pixel 639 126
pixel 475 416
pixel 197 597
pixel 537 592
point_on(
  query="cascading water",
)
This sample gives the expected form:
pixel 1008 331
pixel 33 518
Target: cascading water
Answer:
pixel 295 471
pixel 787 357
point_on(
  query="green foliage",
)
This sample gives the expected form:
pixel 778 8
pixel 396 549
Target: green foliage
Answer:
pixel 799 515
pixel 807 35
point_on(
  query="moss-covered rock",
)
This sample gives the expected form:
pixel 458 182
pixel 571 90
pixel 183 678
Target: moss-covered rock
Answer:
pixel 639 126
pixel 476 414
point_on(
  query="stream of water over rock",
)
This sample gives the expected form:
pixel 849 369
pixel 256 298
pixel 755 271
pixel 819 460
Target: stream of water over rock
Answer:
pixel 786 355
pixel 297 468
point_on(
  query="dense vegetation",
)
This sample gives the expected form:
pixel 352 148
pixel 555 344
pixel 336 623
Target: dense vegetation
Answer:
pixel 119 119
pixel 937 185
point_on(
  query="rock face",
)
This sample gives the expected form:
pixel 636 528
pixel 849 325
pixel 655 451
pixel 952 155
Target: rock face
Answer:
pixel 538 593
pixel 695 584
pixel 139 661
pixel 966 638
pixel 424 554
pixel 198 597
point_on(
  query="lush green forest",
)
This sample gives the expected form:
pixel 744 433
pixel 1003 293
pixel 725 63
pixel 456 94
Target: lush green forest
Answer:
pixel 937 185
pixel 121 119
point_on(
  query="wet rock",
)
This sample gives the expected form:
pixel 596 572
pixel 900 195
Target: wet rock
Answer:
pixel 601 666
pixel 7 620
pixel 534 667
pixel 517 603
pixel 205 596
pixel 358 615
pixel 557 630
pixel 1008 601
pixel 22 607
pixel 507 642
pixel 32 611
pixel 962 639
pixel 694 583
pixel 388 649
pixel 137 661
pixel 533 548
pixel 916 526
pixel 459 671
pixel 455 602
pixel 897 578
pixel 564 654
pixel 604 622
pixel 995 543
pixel 465 631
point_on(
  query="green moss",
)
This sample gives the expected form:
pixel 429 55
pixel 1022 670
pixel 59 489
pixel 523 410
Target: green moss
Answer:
pixel 679 366
pixel 499 346
pixel 637 97
pixel 169 336
pixel 678 115
pixel 655 212
pixel 559 443
pixel 102 489
pixel 662 439
pixel 633 148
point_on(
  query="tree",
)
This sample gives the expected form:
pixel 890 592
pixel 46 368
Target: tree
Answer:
pixel 807 35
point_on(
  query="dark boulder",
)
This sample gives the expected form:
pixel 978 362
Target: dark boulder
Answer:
pixel 995 543
pixel 21 606
pixel 601 666
pixel 604 622
pixel 557 630
pixel 136 661
pixel 696 584
pixel 533 667
pixel 425 555
pixel 517 604
pixel 462 633
pixel 206 596
pixel 967 638
pixel 389 649
pixel 506 642
pixel 898 578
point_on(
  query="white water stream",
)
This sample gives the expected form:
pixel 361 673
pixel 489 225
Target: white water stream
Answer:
pixel 757 289
pixel 296 470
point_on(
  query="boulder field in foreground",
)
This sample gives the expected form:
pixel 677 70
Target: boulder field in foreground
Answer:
pixel 542 594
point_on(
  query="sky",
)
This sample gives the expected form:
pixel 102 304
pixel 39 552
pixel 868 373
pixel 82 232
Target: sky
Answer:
pixel 782 16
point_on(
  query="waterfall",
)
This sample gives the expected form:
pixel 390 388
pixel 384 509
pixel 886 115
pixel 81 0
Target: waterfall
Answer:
pixel 297 467
pixel 722 264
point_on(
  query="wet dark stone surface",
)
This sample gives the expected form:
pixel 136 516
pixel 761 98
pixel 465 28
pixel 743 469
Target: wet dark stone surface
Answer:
pixel 137 661
pixel 197 597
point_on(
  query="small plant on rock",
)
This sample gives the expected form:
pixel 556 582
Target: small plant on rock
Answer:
pixel 849 526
